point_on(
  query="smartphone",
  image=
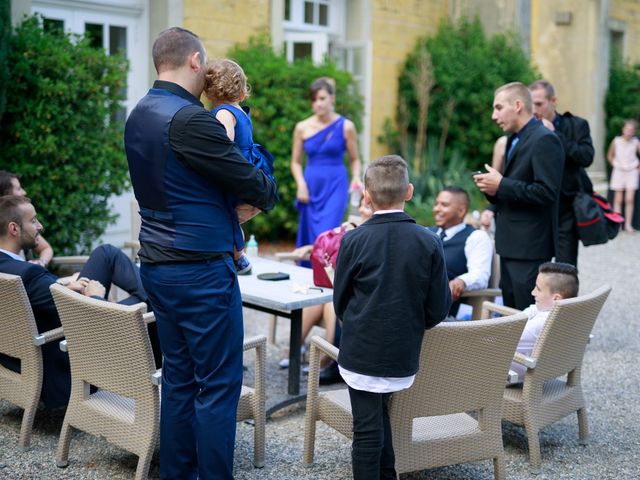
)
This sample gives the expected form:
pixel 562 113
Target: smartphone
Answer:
pixel 477 172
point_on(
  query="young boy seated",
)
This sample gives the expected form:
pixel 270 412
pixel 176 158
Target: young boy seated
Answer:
pixel 390 286
pixel 555 281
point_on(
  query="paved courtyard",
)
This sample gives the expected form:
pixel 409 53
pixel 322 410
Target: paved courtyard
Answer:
pixel 610 378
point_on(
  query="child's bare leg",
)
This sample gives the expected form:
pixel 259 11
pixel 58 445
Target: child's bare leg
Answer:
pixel 329 322
pixel 617 201
pixel 629 197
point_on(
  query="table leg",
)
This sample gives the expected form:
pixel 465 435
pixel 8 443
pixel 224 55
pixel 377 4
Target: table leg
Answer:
pixel 295 342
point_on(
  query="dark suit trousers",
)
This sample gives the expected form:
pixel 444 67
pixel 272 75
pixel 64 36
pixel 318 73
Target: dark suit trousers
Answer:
pixel 108 264
pixel 517 279
pixel 567 235
pixel 372 453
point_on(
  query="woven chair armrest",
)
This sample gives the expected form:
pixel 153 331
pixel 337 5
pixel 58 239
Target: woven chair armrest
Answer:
pixel 254 342
pixel 156 377
pixel 485 292
pixel 524 360
pixel 48 336
pixel 70 260
pixel 148 317
pixel 325 347
pixel 491 307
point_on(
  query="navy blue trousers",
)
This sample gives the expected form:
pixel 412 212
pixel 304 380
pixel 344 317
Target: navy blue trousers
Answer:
pixel 198 311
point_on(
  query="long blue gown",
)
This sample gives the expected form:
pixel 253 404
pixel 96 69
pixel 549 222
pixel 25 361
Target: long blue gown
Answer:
pixel 327 181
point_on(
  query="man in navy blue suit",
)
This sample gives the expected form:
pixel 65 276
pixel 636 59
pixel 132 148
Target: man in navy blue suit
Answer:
pixel 19 230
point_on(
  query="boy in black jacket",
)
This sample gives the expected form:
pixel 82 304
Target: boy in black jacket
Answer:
pixel 390 286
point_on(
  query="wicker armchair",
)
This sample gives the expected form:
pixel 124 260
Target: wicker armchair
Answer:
pixel 19 338
pixel 109 348
pixel 552 387
pixel 463 368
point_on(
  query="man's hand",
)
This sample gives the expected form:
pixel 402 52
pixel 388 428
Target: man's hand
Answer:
pixel 94 289
pixel 246 212
pixel 488 182
pixel 78 285
pixel 457 287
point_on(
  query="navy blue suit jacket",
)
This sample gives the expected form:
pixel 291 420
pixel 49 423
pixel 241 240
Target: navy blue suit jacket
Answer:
pixel 36 279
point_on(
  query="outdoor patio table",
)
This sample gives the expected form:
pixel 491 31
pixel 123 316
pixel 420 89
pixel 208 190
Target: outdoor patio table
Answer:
pixel 285 298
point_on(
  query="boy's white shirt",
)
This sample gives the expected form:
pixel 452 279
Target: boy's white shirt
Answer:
pixel 530 335
pixel 367 383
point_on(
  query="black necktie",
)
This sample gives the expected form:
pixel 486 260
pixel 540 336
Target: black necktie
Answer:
pixel 443 235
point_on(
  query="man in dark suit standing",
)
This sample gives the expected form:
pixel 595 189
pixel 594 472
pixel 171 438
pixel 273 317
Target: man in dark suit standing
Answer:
pixel 19 230
pixel 575 137
pixel 526 196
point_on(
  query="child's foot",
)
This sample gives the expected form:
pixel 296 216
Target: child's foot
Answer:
pixel 243 265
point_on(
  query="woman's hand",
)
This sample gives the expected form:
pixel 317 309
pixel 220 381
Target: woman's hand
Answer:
pixel 302 193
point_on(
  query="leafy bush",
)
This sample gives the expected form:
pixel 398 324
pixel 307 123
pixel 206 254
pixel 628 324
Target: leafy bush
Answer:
pixel 623 96
pixel 279 99
pixel 58 134
pixel 446 90
pixel 5 31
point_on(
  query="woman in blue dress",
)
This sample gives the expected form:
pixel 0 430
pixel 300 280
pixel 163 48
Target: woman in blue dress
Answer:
pixel 323 186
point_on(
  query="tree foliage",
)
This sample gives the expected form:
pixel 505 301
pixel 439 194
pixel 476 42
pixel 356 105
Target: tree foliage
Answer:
pixel 456 97
pixel 623 96
pixel 60 133
pixel 279 99
pixel 5 31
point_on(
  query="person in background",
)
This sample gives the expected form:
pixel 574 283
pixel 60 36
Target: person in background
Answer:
pixel 468 252
pixel 525 195
pixel 323 186
pixel 555 281
pixel 10 185
pixel 623 156
pixel 575 137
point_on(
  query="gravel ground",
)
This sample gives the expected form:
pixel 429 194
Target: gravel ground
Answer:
pixel 611 382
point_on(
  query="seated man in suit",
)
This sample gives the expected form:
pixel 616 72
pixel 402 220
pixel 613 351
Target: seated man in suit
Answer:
pixel 20 229
pixel 468 252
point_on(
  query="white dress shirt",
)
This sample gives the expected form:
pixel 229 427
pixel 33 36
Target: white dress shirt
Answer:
pixel 529 337
pixel 479 252
pixel 15 256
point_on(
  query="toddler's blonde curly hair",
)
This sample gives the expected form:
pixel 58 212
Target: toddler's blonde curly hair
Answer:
pixel 225 82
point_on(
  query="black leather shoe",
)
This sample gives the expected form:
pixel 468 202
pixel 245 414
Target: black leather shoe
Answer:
pixel 330 374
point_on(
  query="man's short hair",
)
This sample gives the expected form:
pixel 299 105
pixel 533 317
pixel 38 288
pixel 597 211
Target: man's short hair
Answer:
pixel 6 186
pixel 10 211
pixel 459 192
pixel 387 179
pixel 546 86
pixel 517 91
pixel 561 278
pixel 172 48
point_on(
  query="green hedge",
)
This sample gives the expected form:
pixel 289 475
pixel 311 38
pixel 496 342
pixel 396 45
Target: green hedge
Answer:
pixel 623 96
pixel 453 75
pixel 279 99
pixel 5 32
pixel 58 134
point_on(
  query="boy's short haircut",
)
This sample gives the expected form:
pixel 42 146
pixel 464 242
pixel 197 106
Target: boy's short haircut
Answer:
pixel 10 211
pixel 387 179
pixel 561 278
pixel 517 91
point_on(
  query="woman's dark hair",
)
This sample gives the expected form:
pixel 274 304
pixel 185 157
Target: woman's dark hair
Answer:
pixel 323 83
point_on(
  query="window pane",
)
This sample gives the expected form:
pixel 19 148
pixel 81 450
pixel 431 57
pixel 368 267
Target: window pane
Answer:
pixel 287 9
pixel 93 31
pixel 54 26
pixel 308 12
pixel 358 61
pixel 324 15
pixel 117 40
pixel 302 50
